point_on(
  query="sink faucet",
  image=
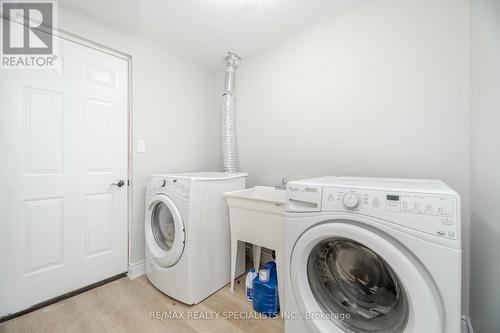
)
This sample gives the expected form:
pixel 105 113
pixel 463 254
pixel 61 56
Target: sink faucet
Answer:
pixel 282 185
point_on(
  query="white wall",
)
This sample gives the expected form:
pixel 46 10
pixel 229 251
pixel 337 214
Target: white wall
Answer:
pixel 485 222
pixel 172 110
pixel 383 90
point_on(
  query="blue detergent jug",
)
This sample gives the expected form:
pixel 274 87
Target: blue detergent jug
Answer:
pixel 265 291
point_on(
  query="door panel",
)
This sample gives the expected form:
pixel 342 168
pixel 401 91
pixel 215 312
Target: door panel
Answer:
pixel 44 130
pixel 98 224
pixel 44 234
pixel 100 135
pixel 63 137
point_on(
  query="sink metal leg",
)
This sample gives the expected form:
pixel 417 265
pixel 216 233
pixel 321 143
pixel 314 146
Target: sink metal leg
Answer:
pixel 234 256
pixel 256 256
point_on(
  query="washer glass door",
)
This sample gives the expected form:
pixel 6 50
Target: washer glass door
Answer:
pixel 347 277
pixel 165 231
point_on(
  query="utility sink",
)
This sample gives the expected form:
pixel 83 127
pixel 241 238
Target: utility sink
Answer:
pixel 258 197
pixel 256 215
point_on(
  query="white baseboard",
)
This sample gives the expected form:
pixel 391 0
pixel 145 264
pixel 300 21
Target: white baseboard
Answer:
pixel 468 323
pixel 136 269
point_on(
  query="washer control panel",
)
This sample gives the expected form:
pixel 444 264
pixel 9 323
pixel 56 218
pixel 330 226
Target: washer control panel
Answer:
pixel 176 186
pixel 431 213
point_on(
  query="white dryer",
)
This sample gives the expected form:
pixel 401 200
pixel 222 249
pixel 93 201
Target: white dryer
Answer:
pixel 187 235
pixel 372 255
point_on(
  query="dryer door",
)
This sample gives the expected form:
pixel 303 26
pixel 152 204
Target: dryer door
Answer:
pixel 348 278
pixel 165 231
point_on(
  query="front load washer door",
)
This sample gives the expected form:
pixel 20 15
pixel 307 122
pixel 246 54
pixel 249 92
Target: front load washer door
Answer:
pixel 348 278
pixel 165 231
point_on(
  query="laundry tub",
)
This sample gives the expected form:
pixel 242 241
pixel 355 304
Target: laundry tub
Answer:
pixel 256 216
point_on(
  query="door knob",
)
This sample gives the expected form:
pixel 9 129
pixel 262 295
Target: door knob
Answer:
pixel 119 184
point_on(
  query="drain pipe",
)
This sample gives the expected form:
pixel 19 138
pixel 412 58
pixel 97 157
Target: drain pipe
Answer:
pixel 227 117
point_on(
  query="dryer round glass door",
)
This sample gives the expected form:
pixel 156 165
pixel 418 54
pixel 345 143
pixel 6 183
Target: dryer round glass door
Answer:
pixel 163 226
pixel 165 232
pixel 347 278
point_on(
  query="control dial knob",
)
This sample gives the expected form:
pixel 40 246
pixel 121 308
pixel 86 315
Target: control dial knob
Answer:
pixel 351 200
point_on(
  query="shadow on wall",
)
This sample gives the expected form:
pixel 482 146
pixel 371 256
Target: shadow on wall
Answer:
pixel 485 272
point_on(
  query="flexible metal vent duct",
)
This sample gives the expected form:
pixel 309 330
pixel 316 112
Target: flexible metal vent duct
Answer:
pixel 228 123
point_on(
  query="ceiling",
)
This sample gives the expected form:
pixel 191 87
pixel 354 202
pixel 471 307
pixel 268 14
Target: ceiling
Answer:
pixel 204 30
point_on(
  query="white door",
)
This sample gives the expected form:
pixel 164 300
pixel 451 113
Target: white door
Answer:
pixel 63 140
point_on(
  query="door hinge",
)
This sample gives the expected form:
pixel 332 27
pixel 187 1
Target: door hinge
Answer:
pixel 128 182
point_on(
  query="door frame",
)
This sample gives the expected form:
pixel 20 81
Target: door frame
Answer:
pixel 61 33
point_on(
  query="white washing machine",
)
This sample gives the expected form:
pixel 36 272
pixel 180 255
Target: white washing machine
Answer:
pixel 187 233
pixel 372 255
